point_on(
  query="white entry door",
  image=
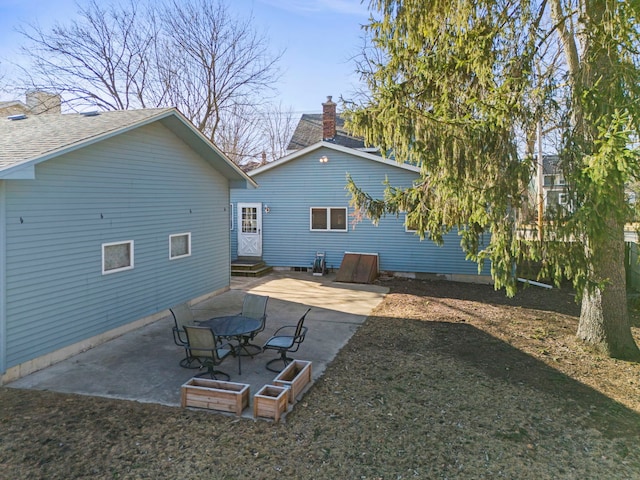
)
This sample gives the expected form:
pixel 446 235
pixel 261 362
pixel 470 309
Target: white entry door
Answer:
pixel 250 229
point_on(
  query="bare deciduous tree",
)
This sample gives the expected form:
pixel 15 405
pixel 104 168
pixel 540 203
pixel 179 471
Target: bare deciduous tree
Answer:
pixel 238 134
pixel 278 124
pixel 191 54
pixel 101 59
pixel 217 64
pixel 251 136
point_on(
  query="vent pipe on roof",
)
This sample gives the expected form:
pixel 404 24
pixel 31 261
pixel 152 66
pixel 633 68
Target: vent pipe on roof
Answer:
pixel 20 116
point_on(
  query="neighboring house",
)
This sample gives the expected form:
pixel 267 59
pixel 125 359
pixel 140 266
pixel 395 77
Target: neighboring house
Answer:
pixel 555 195
pixel 554 187
pixel 328 127
pixel 38 102
pixel 106 220
pixel 301 207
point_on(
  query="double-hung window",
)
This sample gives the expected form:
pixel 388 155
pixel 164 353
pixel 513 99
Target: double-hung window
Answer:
pixel 328 219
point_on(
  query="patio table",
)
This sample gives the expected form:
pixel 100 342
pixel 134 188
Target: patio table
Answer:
pixel 233 326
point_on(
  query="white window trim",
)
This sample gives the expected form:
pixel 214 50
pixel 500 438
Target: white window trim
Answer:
pixel 406 227
pixel 121 269
pixel 188 234
pixel 329 229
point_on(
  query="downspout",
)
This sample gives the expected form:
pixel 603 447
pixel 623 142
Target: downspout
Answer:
pixel 3 278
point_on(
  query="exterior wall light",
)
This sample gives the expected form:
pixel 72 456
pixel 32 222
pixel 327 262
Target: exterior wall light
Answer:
pixel 324 159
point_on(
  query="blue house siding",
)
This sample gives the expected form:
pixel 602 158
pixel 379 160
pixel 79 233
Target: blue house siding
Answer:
pixel 290 189
pixel 143 185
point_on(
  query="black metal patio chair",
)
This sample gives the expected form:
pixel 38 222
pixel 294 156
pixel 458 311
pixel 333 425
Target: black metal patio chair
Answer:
pixel 205 346
pixel 182 316
pixel 254 306
pixel 286 339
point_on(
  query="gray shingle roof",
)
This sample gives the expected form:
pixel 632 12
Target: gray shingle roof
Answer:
pixel 309 131
pixel 12 103
pixel 40 135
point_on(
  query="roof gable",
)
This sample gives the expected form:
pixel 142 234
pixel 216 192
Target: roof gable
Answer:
pixel 35 139
pixel 351 151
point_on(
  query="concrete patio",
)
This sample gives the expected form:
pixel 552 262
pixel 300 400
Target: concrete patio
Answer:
pixel 143 365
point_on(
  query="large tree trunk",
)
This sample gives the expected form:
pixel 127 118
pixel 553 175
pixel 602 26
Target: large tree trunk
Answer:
pixel 604 320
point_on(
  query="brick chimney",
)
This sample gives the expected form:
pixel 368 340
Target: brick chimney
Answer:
pixel 328 119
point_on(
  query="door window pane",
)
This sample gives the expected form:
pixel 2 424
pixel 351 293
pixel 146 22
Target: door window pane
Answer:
pixel 249 220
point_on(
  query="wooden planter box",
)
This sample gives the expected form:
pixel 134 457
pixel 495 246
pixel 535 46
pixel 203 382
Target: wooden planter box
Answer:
pixel 215 395
pixel 271 401
pixel 295 376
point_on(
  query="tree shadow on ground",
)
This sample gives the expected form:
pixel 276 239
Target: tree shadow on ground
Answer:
pixel 499 360
pixel 558 300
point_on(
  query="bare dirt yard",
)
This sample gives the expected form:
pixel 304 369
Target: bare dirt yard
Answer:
pixel 444 380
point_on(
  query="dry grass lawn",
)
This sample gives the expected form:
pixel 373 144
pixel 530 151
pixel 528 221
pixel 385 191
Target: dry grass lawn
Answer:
pixel 444 380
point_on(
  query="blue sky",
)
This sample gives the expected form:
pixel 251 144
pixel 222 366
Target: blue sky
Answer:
pixel 319 38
